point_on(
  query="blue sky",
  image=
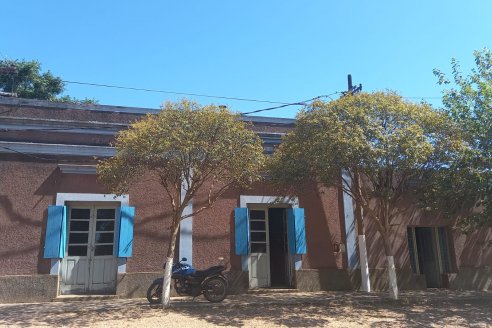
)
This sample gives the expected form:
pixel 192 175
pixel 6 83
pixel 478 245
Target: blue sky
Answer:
pixel 284 51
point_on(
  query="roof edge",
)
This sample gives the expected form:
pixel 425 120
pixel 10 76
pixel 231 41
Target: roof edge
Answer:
pixel 44 104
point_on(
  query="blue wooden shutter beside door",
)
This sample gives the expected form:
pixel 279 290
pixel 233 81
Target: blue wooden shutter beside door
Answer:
pixel 56 232
pixel 125 237
pixel 241 230
pixel 296 230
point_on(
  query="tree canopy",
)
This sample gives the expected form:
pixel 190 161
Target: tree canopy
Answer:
pixel 383 143
pixel 186 141
pixel 464 188
pixel 25 79
pixel 186 147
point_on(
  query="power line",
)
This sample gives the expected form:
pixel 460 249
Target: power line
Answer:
pixel 422 97
pixel 300 103
pixel 211 96
pixel 26 154
pixel 175 92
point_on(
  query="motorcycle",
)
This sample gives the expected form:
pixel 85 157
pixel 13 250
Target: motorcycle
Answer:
pixel 190 282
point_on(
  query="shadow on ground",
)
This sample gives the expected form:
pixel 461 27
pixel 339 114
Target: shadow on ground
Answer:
pixel 292 311
pixel 375 314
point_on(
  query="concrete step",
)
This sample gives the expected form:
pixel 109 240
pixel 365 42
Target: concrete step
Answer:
pixel 271 291
pixel 72 298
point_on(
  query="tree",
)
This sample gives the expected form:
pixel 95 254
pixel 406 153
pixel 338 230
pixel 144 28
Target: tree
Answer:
pixel 463 189
pixel 185 146
pixel 382 143
pixel 26 80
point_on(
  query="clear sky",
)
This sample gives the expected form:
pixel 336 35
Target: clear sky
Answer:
pixel 284 51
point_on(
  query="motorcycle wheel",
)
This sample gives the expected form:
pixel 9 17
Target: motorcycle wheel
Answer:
pixel 215 290
pixel 154 293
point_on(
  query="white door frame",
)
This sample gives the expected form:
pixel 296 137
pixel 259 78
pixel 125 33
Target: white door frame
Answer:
pixel 62 198
pixel 262 201
pixel 90 273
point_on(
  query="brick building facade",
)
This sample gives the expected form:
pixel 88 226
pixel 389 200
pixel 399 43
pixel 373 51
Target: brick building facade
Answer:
pixel 116 245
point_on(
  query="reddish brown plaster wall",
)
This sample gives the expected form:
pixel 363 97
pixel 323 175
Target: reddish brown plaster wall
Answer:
pixel 213 229
pixel 23 202
pixel 152 220
pixel 465 250
pixel 26 190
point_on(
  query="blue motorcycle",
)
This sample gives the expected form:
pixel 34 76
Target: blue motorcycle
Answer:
pixel 190 282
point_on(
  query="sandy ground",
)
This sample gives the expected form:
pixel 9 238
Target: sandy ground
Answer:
pixel 418 309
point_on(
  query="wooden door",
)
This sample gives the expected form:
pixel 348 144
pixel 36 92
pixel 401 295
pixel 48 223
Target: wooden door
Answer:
pixel 259 259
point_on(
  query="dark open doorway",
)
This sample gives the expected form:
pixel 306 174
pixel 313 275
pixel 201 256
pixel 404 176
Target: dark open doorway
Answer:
pixel 427 256
pixel 277 227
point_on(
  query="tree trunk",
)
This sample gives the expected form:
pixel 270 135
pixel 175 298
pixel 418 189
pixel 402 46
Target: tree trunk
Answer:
pixel 393 285
pixel 166 286
pixel 364 266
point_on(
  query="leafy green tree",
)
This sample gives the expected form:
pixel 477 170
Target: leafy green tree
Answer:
pixel 463 189
pixel 383 143
pixel 185 146
pixel 26 80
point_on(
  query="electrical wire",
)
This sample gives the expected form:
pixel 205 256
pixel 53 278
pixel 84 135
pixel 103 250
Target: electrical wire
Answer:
pixel 300 103
pixel 175 92
pixel 29 155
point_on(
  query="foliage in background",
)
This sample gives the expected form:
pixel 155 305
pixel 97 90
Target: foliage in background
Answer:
pixel 464 189
pixel 186 147
pixel 26 80
pixel 380 140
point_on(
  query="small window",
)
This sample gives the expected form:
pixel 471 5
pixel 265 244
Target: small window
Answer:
pixel 102 250
pixel 256 215
pixel 78 238
pixel 79 225
pixel 77 250
pixel 258 236
pixel 258 247
pixel 80 214
pixel 105 214
pixel 257 226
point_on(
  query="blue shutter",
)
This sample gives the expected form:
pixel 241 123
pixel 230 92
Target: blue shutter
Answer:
pixel 296 230
pixel 241 232
pixel 56 232
pixel 125 236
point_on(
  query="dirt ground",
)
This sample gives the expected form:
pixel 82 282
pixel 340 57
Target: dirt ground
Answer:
pixel 414 309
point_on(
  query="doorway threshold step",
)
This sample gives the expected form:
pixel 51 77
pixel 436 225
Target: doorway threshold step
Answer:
pixel 272 290
pixel 75 298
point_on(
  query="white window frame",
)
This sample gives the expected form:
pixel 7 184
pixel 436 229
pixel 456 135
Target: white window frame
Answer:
pixel 63 198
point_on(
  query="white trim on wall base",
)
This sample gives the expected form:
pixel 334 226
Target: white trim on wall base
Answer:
pixel 186 231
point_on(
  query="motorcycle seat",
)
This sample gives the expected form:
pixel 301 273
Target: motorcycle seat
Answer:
pixel 209 271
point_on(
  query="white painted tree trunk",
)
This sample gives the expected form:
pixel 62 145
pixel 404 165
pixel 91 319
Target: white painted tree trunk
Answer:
pixel 393 287
pixel 166 285
pixel 364 266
